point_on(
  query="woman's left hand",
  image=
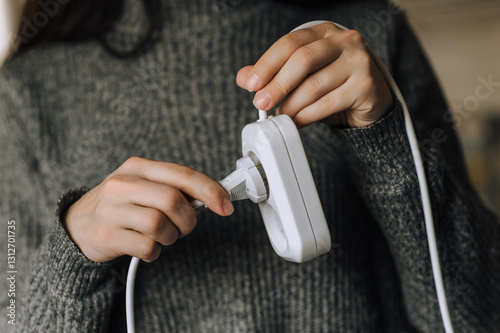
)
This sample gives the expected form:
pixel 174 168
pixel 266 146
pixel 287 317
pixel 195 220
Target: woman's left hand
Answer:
pixel 319 73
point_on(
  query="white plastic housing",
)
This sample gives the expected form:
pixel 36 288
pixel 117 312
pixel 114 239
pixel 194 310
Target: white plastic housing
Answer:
pixel 292 214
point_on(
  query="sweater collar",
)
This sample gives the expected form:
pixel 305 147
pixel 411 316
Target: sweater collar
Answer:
pixel 131 28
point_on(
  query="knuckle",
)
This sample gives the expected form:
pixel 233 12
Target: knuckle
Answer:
pixel 362 59
pixel 171 236
pixel 278 88
pixel 354 38
pixel 149 249
pixel 367 85
pixel 115 183
pixel 326 27
pixel 133 162
pixel 290 42
pixel 184 173
pixel 312 85
pixel 174 202
pixel 326 104
pixel 305 57
pixel 189 223
pixel 214 191
pixel 154 222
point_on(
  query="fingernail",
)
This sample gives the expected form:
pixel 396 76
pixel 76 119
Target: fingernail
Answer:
pixel 262 100
pixel 228 206
pixel 252 82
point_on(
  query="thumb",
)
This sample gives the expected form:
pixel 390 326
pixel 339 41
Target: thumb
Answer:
pixel 242 76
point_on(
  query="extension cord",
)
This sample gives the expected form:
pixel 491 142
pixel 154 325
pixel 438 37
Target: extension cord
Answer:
pixel 275 233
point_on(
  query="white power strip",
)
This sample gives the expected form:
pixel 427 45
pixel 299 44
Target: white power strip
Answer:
pixel 292 214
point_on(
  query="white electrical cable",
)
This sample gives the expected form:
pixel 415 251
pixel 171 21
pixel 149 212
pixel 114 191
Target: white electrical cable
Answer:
pixel 129 294
pixel 262 115
pixel 424 191
pixel 426 203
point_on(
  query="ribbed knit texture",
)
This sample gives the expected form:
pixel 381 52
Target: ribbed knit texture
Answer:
pixel 70 114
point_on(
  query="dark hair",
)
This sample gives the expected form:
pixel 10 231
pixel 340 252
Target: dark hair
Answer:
pixel 77 20
pixel 72 21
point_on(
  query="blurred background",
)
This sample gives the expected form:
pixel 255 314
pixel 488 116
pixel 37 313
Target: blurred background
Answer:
pixel 462 40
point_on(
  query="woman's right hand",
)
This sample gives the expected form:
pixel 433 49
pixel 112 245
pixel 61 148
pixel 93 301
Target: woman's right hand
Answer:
pixel 139 207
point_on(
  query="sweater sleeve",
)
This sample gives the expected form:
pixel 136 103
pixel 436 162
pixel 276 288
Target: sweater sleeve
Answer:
pixel 57 288
pixel 468 234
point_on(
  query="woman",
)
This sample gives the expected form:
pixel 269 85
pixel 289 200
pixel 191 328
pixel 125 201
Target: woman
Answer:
pixel 156 80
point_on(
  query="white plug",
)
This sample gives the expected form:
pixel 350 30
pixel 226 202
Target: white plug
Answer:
pixel 248 181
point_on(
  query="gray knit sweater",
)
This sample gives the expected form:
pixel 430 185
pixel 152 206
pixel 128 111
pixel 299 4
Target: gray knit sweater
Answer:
pixel 70 114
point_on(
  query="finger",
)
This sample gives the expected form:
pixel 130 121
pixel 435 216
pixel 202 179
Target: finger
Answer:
pixel 137 245
pixel 338 100
pixel 187 180
pixel 304 61
pixel 277 55
pixel 160 198
pixel 150 222
pixel 315 86
pixel 242 76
